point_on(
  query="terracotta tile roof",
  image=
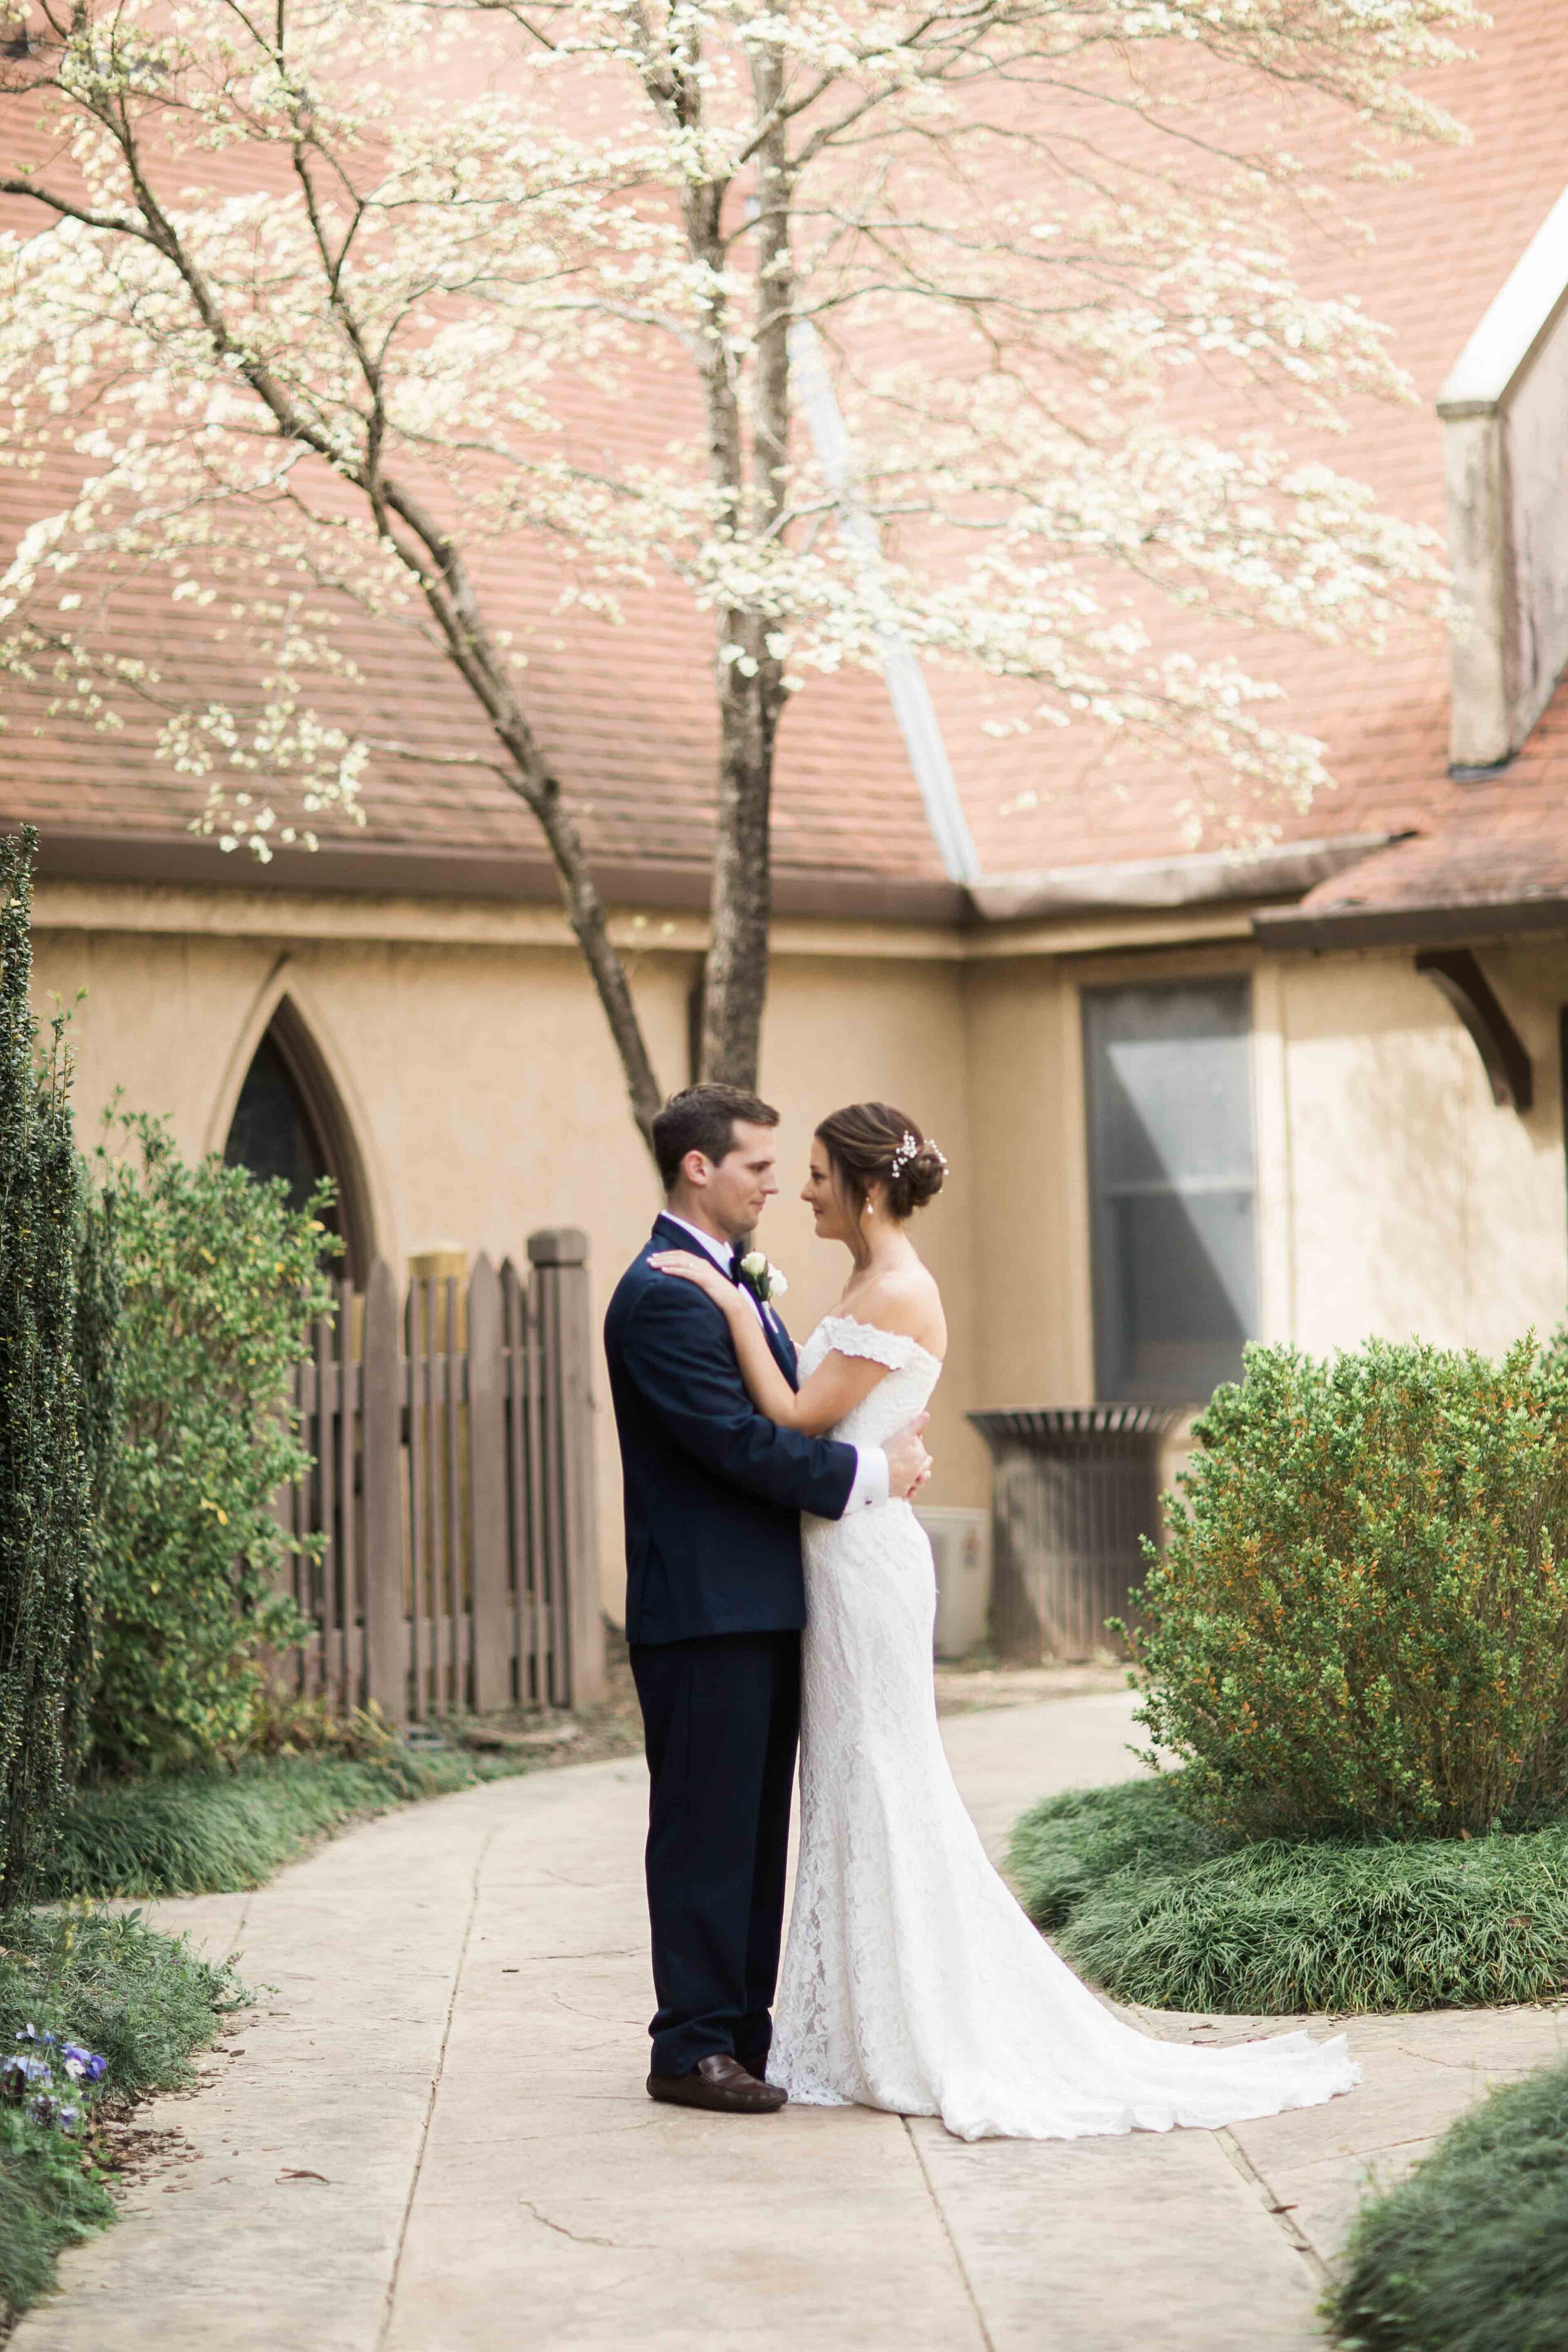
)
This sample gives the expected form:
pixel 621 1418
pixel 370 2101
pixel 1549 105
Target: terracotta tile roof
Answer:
pixel 628 714
pixel 1493 858
pixel 626 723
pixel 1443 242
pixel 625 714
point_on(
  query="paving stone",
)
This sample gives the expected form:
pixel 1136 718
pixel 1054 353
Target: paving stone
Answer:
pixel 1106 2245
pixel 451 2029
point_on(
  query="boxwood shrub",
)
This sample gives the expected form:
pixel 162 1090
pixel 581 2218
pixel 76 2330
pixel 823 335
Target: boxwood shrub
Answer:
pixel 1360 1622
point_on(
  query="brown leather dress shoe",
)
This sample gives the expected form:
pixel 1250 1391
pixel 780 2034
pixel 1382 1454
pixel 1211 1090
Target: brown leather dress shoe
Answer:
pixel 721 2083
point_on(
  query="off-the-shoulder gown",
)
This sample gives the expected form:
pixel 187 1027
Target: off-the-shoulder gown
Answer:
pixel 912 1980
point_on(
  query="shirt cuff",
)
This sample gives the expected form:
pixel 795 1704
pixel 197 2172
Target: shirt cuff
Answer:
pixel 869 1491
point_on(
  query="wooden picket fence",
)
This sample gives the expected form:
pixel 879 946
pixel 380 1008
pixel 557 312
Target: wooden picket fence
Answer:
pixel 456 1565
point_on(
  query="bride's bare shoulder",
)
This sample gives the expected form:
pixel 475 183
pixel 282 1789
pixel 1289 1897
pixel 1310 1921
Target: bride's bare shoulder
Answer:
pixel 905 1299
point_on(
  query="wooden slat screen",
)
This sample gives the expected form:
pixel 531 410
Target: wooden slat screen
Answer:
pixel 447 1554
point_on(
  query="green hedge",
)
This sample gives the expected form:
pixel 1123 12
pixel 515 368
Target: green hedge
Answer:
pixel 47 1525
pixel 1469 2254
pixel 1156 1910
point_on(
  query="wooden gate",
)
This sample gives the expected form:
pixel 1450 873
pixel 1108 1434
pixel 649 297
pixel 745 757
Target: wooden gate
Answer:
pixel 452 1498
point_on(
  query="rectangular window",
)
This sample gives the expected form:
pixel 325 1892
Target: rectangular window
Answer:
pixel 1170 1181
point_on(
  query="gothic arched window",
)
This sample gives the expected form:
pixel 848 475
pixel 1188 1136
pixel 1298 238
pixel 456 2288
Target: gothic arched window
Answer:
pixel 289 1122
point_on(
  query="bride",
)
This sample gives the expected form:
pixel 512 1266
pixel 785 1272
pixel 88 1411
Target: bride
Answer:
pixel 912 1980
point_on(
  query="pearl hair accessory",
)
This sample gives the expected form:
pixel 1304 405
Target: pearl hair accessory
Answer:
pixel 906 1152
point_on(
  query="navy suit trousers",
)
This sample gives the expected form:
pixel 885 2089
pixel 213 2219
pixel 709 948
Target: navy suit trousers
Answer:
pixel 722 1719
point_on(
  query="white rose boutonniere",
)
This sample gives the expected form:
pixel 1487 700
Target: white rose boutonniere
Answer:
pixel 762 1278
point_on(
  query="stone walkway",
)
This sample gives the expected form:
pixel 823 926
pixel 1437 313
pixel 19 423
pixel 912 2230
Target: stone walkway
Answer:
pixel 432 2135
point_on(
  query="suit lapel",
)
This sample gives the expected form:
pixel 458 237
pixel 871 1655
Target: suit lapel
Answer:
pixel 667 1234
pixel 783 1346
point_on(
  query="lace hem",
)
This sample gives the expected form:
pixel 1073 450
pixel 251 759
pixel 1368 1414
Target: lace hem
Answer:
pixel 850 1337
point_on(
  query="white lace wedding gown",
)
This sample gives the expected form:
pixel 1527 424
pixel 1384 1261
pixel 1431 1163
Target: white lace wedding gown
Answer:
pixel 912 1980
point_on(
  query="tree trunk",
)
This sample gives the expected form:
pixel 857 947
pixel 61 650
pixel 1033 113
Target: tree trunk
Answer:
pixel 735 978
pixel 751 686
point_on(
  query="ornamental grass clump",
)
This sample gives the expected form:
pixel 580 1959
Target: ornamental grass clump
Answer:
pixel 1360 1624
pixel 1154 1907
pixel 1278 1928
pixel 209 1832
pixel 50 2196
pixel 106 1982
pixel 1066 1848
pixel 1469 2254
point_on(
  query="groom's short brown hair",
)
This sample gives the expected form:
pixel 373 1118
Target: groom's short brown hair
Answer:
pixel 702 1118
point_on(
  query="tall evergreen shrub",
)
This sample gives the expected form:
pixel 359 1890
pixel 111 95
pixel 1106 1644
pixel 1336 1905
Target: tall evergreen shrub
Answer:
pixel 1361 1619
pixel 100 1362
pixel 46 1487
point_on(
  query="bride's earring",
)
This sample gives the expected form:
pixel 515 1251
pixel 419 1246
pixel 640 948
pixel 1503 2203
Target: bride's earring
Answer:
pixel 870 1208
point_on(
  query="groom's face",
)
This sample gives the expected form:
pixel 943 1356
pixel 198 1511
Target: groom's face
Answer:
pixel 741 1185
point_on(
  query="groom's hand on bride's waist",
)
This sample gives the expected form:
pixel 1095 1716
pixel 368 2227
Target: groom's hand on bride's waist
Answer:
pixel 908 1464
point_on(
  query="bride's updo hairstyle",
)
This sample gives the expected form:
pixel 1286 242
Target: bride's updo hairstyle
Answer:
pixel 870 1143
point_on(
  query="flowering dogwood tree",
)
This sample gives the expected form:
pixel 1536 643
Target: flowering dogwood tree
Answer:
pixel 299 300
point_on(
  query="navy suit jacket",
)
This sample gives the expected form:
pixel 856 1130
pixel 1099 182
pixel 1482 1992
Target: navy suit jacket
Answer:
pixel 714 1490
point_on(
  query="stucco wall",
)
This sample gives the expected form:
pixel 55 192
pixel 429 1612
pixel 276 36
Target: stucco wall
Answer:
pixel 841 1032
pixel 1414 1206
pixel 486 1099
pixel 1394 1197
pixel 1031 1211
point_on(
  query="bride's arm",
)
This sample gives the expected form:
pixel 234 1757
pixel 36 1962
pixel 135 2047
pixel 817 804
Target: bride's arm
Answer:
pixel 833 1391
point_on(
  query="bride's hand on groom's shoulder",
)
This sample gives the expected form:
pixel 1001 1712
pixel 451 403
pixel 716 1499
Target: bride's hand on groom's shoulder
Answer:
pixel 690 1268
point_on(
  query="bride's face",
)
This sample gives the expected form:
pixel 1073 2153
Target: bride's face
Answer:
pixel 820 1192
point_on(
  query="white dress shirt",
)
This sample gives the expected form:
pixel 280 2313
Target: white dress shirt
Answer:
pixel 872 1478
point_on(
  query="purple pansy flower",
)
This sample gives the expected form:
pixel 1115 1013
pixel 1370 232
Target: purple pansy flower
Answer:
pixel 18 2072
pixel 28 2075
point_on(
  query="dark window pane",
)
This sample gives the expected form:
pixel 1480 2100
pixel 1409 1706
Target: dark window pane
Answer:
pixel 273 1133
pixel 1169 1123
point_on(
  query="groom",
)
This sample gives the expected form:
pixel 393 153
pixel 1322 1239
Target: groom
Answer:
pixel 715 1601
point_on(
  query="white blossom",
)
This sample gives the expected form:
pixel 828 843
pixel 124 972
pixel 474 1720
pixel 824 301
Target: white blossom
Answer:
pixel 288 301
